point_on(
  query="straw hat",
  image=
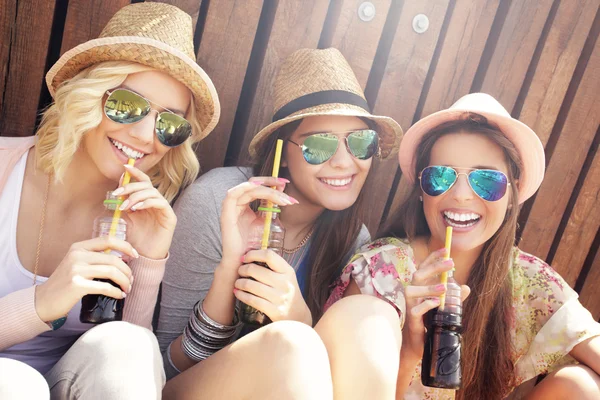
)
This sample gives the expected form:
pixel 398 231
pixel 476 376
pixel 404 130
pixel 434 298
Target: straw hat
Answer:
pixel 154 34
pixel 523 138
pixel 320 82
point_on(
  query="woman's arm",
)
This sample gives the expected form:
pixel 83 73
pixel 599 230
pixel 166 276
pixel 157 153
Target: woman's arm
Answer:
pixel 20 321
pixel 588 353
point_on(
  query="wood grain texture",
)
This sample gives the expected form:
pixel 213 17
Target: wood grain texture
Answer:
pixel 224 56
pixel 589 293
pixel 401 86
pixel 8 14
pixel 515 47
pixel 357 39
pixel 556 65
pixel 29 40
pixel 296 25
pixel 191 7
pixel 565 165
pixel 86 19
pixel 581 228
pixel 463 45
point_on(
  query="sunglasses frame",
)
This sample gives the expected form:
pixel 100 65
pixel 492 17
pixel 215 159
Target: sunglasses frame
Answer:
pixel 377 154
pixel 471 170
pixel 158 114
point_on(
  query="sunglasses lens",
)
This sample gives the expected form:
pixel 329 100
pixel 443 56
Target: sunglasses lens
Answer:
pixel 363 144
pixel 436 180
pixel 319 148
pixel 488 184
pixel 125 107
pixel 172 130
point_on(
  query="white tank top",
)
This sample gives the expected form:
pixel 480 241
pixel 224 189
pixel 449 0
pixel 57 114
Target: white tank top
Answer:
pixel 43 351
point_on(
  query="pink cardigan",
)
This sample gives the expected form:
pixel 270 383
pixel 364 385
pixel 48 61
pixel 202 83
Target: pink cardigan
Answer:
pixel 20 321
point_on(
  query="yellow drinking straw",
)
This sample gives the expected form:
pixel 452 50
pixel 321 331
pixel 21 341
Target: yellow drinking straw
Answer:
pixel 269 214
pixel 117 214
pixel 447 245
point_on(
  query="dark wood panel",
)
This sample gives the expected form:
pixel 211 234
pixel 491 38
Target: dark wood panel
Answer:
pixel 556 65
pixel 581 228
pixel 28 50
pixel 589 293
pixel 565 165
pixel 224 56
pixel 86 19
pixel 461 51
pixel 514 49
pixel 296 25
pixel 401 86
pixel 8 12
pixel 358 39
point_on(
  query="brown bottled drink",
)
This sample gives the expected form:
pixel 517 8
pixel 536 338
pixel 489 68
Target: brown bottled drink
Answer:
pixel 441 357
pixel 97 308
pixel 250 315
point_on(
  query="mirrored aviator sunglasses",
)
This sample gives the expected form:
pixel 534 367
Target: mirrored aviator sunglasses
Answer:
pixel 488 184
pixel 126 107
pixel 320 147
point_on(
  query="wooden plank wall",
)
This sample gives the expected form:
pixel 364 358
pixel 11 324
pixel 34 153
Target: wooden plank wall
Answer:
pixel 541 59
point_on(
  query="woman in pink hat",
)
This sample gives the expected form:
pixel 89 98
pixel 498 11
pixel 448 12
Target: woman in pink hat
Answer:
pixel 111 105
pixel 471 167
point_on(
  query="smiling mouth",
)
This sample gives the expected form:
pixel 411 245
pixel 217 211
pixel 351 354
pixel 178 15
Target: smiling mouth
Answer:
pixel 336 182
pixel 461 220
pixel 129 152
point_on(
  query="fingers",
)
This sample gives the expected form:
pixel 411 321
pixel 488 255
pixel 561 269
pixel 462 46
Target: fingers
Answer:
pixel 247 192
pixel 258 289
pixel 137 173
pixel 99 287
pixel 272 259
pixel 114 260
pixel 104 243
pixel 278 183
pixel 142 197
pixel 427 271
pixel 109 272
pixel 465 291
pixel 414 292
pixel 254 301
pixel 419 310
pixel 260 273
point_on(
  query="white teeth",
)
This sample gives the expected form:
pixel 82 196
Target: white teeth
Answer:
pixel 128 152
pixel 336 182
pixel 462 217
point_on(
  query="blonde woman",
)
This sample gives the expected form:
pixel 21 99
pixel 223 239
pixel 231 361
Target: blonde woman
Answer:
pixel 110 105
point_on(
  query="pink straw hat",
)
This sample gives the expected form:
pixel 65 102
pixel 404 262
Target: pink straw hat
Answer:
pixel 523 138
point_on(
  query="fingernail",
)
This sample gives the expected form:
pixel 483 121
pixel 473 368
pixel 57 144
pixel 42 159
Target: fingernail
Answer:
pixel 283 180
pixel 129 290
pixel 285 200
pixel 242 259
pixel 257 183
pixel 118 191
pixel 439 288
pixel 234 290
pixel 124 294
pixel 436 299
pixel 131 280
pixel 442 251
pixel 124 205
pixel 137 206
pixel 128 166
pixel 293 200
pixel 135 254
pixel 449 262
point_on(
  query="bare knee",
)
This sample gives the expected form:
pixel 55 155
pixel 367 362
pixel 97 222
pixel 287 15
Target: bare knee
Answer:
pixel 571 382
pixel 293 340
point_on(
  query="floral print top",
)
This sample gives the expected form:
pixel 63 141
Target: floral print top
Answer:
pixel 548 319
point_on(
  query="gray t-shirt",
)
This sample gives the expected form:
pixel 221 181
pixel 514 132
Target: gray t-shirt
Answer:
pixel 196 251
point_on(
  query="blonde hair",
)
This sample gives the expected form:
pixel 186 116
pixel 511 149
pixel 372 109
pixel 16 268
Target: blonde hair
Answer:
pixel 77 109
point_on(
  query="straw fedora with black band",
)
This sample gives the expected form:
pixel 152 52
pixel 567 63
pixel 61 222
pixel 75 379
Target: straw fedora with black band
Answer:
pixel 524 139
pixel 321 82
pixel 154 34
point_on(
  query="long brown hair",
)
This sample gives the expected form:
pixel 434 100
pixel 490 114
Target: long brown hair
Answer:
pixel 339 229
pixel 487 365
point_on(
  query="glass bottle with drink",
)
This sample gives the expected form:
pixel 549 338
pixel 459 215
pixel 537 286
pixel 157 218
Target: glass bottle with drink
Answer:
pixel 250 315
pixel 441 357
pixel 96 308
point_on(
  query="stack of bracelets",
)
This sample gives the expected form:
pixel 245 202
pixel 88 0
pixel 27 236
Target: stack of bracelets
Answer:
pixel 202 337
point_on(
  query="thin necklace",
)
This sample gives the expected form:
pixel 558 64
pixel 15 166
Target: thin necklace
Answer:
pixel 302 243
pixel 42 221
